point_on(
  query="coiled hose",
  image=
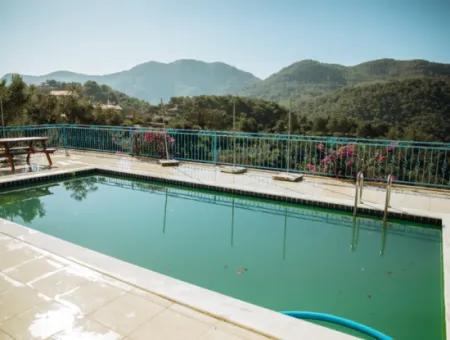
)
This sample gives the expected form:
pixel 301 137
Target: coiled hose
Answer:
pixel 339 321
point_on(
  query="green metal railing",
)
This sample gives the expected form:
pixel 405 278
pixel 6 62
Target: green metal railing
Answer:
pixel 410 162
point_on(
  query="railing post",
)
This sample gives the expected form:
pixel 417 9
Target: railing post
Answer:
pixel 214 148
pixel 65 139
pixel 131 151
pixel 63 132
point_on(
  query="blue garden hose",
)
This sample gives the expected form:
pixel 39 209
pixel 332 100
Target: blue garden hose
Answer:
pixel 339 321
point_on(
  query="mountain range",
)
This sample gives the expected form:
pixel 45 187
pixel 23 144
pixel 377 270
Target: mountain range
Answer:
pixel 153 81
pixel 299 82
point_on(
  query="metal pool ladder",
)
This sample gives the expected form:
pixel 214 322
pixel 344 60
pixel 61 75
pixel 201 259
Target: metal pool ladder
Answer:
pixel 358 191
pixel 387 202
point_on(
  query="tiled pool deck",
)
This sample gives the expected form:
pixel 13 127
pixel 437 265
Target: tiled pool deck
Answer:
pixel 47 296
pixel 50 288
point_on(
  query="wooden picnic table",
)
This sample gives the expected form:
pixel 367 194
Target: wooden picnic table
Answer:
pixel 10 147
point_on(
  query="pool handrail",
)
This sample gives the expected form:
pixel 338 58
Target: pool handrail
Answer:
pixel 305 315
pixel 387 202
pixel 358 191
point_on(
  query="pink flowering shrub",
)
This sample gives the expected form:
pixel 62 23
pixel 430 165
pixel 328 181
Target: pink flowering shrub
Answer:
pixel 156 141
pixel 339 161
pixel 348 160
pixel 311 167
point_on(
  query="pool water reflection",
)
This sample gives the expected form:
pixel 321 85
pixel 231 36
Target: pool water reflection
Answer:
pixel 280 256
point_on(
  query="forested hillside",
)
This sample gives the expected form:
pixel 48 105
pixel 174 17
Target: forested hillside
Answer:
pixel 216 113
pixel 23 104
pixel 85 104
pixel 416 109
pixel 308 79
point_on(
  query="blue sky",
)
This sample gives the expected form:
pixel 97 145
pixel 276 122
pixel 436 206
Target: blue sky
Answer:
pixel 259 36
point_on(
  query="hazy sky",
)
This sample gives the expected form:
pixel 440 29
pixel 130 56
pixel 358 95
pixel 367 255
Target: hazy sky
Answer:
pixel 260 36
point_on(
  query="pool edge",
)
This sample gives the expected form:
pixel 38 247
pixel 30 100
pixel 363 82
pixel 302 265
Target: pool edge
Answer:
pixel 446 270
pixel 435 218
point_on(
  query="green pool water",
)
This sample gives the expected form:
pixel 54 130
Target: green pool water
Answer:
pixel 277 255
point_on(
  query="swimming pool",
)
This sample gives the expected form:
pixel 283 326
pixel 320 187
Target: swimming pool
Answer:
pixel 277 255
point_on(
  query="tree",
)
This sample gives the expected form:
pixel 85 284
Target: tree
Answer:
pixel 248 124
pixel 15 99
pixel 320 124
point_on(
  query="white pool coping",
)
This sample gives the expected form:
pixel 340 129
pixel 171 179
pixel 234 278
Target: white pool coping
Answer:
pixel 258 319
pixel 252 317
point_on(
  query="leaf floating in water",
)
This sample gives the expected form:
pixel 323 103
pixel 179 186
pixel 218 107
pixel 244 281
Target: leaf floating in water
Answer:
pixel 241 270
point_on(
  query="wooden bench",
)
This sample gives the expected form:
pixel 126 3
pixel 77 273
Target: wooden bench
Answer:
pixel 9 152
pixel 18 150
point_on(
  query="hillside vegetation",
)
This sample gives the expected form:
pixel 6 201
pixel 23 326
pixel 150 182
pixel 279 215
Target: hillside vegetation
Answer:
pixel 416 109
pixel 216 113
pixel 23 104
pixel 308 79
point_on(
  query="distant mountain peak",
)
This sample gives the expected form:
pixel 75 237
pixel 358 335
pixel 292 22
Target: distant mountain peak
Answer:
pixel 154 80
pixel 188 61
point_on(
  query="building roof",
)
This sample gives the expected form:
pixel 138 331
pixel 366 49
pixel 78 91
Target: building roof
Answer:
pixel 110 107
pixel 61 93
